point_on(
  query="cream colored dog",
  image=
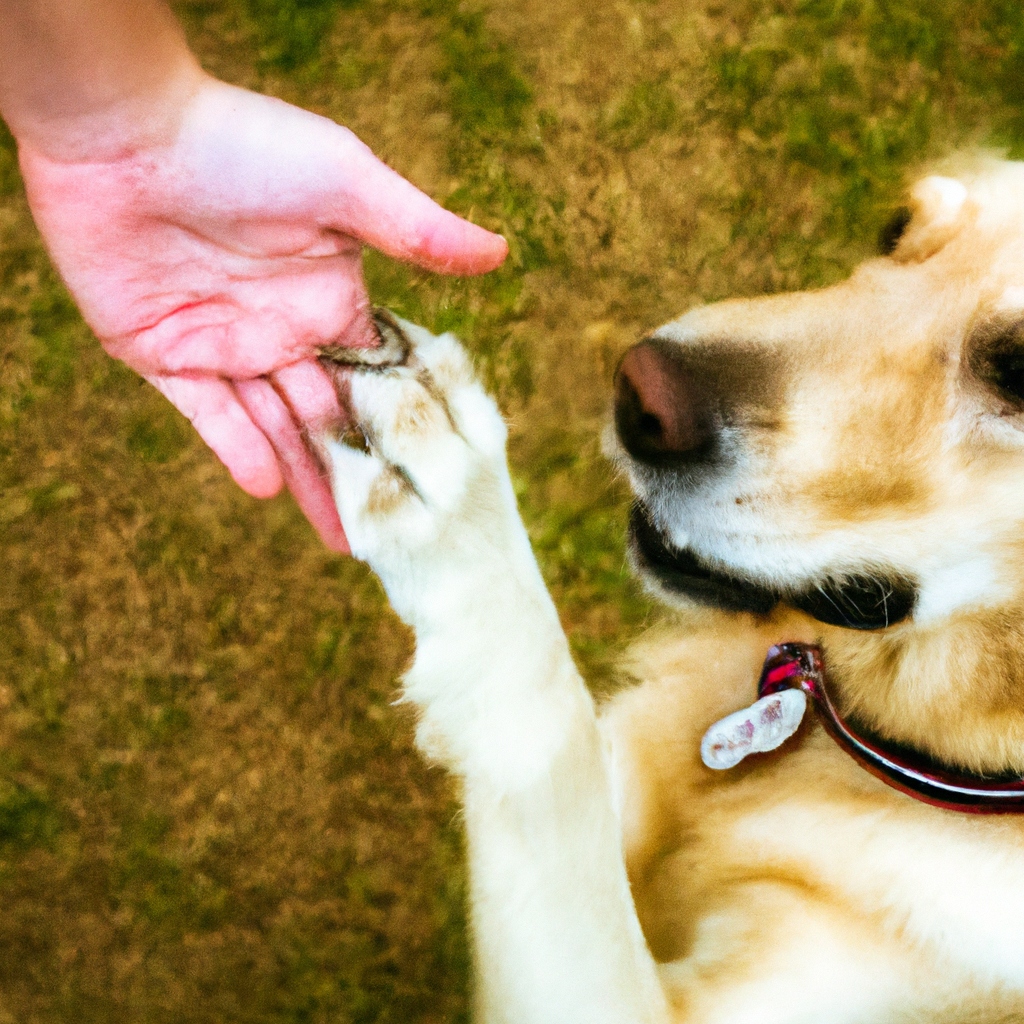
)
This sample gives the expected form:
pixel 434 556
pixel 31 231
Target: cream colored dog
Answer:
pixel 843 467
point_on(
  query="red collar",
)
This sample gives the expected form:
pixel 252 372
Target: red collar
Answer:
pixel 800 666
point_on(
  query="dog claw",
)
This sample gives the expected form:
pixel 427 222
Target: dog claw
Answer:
pixel 765 725
pixel 393 350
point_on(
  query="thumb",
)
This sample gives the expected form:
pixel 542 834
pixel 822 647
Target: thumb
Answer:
pixel 385 211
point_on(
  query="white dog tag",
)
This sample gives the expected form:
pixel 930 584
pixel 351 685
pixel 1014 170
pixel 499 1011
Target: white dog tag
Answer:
pixel 766 724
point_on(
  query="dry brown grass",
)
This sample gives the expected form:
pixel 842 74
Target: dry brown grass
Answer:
pixel 209 811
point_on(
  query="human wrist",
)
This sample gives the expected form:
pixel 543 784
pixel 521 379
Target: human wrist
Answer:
pixel 93 80
pixel 110 130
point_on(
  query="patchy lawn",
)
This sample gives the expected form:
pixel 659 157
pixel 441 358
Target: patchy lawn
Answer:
pixel 209 809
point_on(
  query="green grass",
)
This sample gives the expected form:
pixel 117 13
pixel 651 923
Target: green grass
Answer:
pixel 648 109
pixel 852 93
pixel 28 817
pixel 487 95
pixel 209 808
pixel 10 177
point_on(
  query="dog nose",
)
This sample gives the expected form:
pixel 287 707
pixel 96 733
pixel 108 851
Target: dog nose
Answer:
pixel 659 412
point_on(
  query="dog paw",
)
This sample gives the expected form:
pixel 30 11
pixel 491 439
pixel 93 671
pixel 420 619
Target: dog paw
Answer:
pixel 426 499
pixel 423 488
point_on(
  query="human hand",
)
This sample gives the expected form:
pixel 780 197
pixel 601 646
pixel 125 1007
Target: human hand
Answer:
pixel 218 262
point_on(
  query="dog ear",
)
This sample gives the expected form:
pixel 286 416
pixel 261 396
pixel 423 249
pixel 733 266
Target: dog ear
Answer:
pixel 936 214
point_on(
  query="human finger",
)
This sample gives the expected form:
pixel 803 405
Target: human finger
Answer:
pixel 302 473
pixel 382 209
pixel 220 420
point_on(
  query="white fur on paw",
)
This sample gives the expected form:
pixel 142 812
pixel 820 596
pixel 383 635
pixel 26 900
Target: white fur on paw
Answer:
pixel 765 725
pixel 410 428
pixel 429 503
pixel 473 411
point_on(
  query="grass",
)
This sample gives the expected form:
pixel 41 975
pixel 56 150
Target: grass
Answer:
pixel 647 109
pixel 209 808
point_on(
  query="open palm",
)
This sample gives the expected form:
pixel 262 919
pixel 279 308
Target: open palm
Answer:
pixel 218 264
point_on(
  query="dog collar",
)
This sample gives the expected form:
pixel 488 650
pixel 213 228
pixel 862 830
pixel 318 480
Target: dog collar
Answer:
pixel 794 673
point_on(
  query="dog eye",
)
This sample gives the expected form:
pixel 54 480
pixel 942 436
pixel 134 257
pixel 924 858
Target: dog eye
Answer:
pixel 999 362
pixel 889 237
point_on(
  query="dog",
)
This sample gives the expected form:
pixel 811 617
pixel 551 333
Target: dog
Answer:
pixel 838 471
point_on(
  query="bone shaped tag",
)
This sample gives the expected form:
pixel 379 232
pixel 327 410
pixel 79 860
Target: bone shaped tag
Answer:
pixel 765 725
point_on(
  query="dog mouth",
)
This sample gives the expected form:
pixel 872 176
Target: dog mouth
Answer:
pixel 864 602
pixel 681 572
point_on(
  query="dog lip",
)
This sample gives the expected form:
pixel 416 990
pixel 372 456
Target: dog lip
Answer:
pixel 861 602
pixel 680 571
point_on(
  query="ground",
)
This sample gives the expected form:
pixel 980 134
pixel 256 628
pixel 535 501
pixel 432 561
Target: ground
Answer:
pixel 210 811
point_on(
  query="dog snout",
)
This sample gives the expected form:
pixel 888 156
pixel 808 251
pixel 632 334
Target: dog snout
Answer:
pixel 662 413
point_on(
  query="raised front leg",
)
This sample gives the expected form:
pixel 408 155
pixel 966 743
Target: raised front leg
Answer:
pixel 430 506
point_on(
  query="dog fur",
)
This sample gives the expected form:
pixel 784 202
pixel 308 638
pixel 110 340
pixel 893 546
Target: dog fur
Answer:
pixel 613 877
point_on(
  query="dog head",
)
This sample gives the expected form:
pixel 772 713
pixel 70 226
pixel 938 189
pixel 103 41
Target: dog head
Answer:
pixel 858 453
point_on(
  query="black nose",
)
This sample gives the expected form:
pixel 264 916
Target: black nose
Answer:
pixel 662 414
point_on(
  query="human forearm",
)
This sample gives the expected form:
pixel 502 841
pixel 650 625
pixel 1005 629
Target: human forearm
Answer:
pixel 92 79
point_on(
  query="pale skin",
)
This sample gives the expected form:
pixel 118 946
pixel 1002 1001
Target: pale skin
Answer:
pixel 211 236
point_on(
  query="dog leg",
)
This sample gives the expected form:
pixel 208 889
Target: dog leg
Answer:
pixel 430 506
